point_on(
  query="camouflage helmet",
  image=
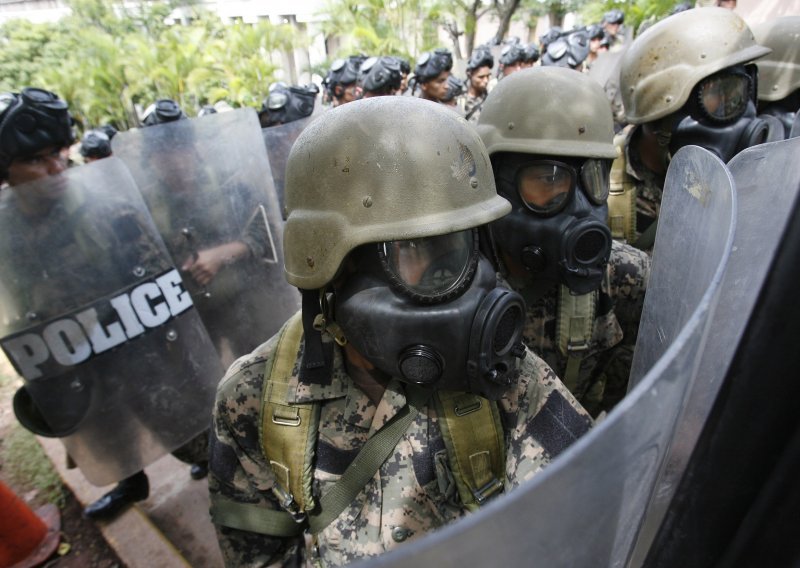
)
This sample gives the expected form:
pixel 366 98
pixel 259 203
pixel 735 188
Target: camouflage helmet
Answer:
pixel 779 72
pixel 663 65
pixel 548 110
pixel 354 177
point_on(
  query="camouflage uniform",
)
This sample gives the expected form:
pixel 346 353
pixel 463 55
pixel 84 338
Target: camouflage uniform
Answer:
pixel 471 102
pixel 413 492
pixel 605 367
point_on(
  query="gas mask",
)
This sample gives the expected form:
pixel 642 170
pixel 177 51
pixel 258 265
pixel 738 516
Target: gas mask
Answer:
pixel 429 312
pixel 720 115
pixel 786 111
pixel 557 229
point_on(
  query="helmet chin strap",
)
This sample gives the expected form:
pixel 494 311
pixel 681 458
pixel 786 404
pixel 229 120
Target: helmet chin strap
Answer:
pixel 317 357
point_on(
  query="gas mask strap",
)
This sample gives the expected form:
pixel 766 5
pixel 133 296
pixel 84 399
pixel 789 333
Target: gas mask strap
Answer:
pixel 574 328
pixel 315 366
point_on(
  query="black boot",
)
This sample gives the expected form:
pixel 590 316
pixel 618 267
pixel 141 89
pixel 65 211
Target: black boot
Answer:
pixel 129 490
pixel 199 470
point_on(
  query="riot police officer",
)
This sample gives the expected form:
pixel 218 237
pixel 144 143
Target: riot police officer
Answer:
pixel 689 79
pixel 431 73
pixel 551 157
pixel 404 332
pixel 341 83
pixel 479 70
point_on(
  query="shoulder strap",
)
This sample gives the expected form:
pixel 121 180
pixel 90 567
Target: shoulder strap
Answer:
pixel 574 327
pixel 288 432
pixel 621 195
pixel 474 440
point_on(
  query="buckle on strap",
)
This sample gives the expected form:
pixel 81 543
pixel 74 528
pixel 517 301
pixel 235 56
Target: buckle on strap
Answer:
pixel 288 504
pixel 483 493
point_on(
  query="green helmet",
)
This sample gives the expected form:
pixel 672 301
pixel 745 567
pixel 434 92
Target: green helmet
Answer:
pixel 662 66
pixel 779 72
pixel 548 110
pixel 379 169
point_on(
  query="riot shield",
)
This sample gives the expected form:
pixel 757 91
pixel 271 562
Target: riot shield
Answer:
pixel 767 180
pixel 208 186
pixel 279 140
pixel 605 70
pixel 586 508
pixel 97 321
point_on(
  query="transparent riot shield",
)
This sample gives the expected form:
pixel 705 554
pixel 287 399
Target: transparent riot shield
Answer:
pixel 587 507
pixel 605 70
pixel 767 181
pixel 97 320
pixel 208 186
pixel 279 140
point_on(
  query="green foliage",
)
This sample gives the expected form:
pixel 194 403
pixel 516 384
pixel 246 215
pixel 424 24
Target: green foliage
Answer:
pixel 26 465
pixel 636 11
pixel 108 58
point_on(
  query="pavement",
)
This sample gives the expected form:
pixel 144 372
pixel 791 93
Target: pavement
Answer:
pixel 171 528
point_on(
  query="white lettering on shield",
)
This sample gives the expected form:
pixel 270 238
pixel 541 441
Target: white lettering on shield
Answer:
pixel 73 339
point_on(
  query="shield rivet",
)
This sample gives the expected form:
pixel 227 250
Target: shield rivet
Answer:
pixel 32 316
pixel 172 335
pixel 138 271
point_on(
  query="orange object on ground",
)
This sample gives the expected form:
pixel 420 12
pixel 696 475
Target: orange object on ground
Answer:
pixel 26 538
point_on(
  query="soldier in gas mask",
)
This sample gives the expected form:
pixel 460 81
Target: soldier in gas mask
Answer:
pixel 779 72
pixel 584 293
pixel 689 79
pixel 404 337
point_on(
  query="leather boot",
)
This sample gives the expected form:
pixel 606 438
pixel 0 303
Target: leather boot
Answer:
pixel 128 491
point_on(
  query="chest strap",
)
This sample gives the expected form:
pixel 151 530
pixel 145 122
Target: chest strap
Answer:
pixel 621 196
pixel 574 328
pixel 473 437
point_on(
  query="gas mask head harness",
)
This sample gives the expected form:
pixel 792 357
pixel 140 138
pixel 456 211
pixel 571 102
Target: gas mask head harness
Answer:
pixel 481 57
pixel 343 72
pixel 162 111
pixel 30 121
pixel 432 63
pixel 429 312
pixel 286 104
pixel 95 144
pixel 381 75
pixel 557 228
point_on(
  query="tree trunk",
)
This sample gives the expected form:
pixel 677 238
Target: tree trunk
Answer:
pixel 505 12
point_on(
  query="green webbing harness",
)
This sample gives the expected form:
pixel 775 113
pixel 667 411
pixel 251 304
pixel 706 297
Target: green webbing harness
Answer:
pixel 621 195
pixel 574 328
pixel 470 426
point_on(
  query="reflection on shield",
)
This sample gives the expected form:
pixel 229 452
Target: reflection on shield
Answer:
pixel 98 322
pixel 279 140
pixel 598 491
pixel 208 186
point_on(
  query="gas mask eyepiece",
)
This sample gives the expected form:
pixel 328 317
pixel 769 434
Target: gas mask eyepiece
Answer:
pixel 429 312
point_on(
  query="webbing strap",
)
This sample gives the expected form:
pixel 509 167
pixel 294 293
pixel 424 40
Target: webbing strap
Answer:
pixel 621 196
pixel 288 432
pixel 373 453
pixel 252 518
pixel 574 329
pixel 473 436
pixel 647 239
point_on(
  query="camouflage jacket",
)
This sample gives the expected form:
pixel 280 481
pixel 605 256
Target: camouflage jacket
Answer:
pixel 470 102
pixel 412 493
pixel 605 367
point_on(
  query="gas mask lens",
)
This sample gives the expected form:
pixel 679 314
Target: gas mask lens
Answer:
pixel 431 268
pixel 545 185
pixel 724 97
